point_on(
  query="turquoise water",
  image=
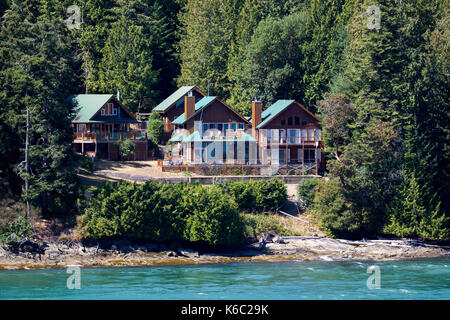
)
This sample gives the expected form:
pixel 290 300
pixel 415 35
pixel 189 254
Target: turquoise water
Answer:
pixel 418 279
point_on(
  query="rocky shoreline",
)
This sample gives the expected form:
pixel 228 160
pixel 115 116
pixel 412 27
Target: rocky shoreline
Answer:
pixel 30 254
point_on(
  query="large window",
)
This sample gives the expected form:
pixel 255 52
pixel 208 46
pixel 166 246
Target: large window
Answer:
pixel 311 134
pixel 282 136
pixel 310 155
pixel 293 136
pixel 304 136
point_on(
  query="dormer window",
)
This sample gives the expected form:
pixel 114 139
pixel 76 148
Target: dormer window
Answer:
pixel 114 111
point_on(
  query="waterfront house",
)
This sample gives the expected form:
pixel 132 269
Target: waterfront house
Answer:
pixel 285 135
pixel 100 121
pixel 288 134
pixel 172 107
pixel 211 132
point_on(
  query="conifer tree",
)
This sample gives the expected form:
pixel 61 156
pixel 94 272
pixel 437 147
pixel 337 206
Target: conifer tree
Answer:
pixel 207 32
pixel 272 66
pixel 37 73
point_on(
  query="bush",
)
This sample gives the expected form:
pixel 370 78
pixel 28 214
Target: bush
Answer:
pixel 86 163
pixel 20 227
pixel 257 224
pixel 215 218
pixel 257 195
pixel 155 128
pixel 126 147
pixel 337 214
pixel 163 212
pixel 306 189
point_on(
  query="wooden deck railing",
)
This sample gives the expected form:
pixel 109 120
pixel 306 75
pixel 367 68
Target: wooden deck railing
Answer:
pixel 94 136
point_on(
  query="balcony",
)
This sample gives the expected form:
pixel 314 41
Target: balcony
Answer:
pixel 106 137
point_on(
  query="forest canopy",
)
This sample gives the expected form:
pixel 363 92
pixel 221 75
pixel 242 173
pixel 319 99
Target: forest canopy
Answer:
pixel 375 72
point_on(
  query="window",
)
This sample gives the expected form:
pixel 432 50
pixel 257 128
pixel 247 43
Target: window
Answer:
pixel 290 121
pixel 283 122
pixel 212 126
pixel 304 137
pixel 297 121
pixel 318 135
pixel 109 109
pixel 304 122
pixel 282 158
pixel 241 126
pixel 299 155
pixel 114 111
pixel 282 136
pixel 225 128
pixel 103 111
pixel 205 127
pixel 220 126
pixel 310 155
pixel 311 135
pixel 233 126
pixel 294 136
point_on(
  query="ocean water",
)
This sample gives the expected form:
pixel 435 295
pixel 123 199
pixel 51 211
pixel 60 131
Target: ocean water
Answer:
pixel 412 279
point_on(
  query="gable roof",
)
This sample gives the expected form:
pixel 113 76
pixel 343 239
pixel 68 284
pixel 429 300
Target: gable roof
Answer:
pixel 198 106
pixel 173 98
pixel 87 106
pixel 271 112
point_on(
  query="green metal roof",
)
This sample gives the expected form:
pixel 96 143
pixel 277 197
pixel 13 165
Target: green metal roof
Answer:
pixel 198 106
pixel 273 110
pixel 87 105
pixel 173 98
pixel 177 138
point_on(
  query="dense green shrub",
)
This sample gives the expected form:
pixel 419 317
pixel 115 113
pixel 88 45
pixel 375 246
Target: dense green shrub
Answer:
pixel 256 224
pixel 163 212
pixel 117 210
pixel 86 163
pixel 155 128
pixel 126 147
pixel 257 195
pixel 214 217
pixel 306 189
pixel 338 215
pixel 20 227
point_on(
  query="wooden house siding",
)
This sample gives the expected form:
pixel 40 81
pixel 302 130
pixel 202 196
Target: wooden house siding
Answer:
pixel 215 112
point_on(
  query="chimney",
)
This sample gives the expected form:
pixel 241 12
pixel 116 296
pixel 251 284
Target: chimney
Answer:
pixel 256 115
pixel 189 105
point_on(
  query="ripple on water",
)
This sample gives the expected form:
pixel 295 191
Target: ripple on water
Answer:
pixel 419 279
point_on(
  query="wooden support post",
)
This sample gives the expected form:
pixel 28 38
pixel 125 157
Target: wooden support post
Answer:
pixel 317 167
pixel 303 155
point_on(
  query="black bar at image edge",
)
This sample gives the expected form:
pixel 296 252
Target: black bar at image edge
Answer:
pixel 199 309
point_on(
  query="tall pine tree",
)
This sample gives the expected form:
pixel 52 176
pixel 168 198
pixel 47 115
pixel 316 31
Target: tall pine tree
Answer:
pixel 37 73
